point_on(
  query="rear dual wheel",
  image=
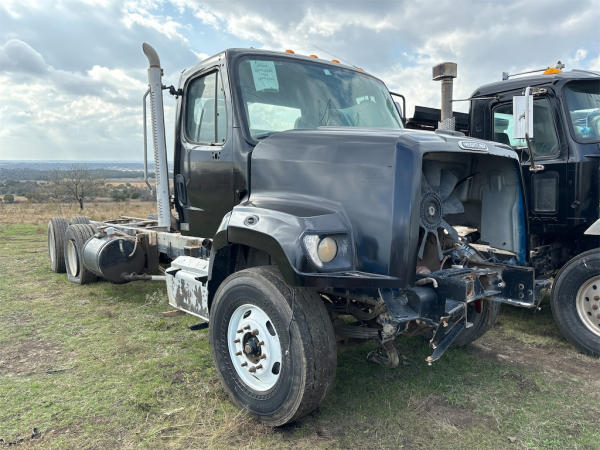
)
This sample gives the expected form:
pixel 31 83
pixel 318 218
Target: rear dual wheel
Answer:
pixel 273 345
pixel 75 238
pixel 56 243
pixel 79 219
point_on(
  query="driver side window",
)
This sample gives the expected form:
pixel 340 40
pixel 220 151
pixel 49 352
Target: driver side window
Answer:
pixel 545 141
pixel 205 120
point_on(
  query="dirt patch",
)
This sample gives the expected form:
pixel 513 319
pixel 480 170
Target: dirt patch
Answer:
pixel 32 355
pixel 523 383
pixel 556 362
pixel 44 296
pixel 437 409
pixel 109 313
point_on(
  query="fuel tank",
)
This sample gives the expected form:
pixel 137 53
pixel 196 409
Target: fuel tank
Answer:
pixel 112 257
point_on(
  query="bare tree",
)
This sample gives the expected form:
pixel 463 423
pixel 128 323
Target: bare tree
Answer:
pixel 77 183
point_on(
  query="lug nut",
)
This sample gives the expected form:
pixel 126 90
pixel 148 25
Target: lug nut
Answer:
pixel 247 327
pixel 244 364
pixel 595 307
pixel 261 343
pixel 237 341
pixel 240 331
pixel 596 297
pixel 263 356
pixel 255 368
pixel 238 354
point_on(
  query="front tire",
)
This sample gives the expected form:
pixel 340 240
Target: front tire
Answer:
pixel 482 320
pixel 575 301
pixel 273 345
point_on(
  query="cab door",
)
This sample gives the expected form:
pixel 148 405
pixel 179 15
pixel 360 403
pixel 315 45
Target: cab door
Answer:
pixel 545 188
pixel 205 186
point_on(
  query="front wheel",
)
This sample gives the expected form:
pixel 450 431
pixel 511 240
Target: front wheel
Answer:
pixel 575 301
pixel 273 345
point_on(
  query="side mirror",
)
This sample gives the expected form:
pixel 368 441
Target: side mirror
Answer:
pixel 523 124
pixel 400 108
pixel 523 115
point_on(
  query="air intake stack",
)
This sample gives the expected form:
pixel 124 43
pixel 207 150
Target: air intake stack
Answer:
pixel 161 169
pixel 446 72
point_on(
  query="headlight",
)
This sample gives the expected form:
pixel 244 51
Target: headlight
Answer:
pixel 330 252
pixel 327 249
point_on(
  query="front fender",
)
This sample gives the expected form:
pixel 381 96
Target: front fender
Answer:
pixel 280 234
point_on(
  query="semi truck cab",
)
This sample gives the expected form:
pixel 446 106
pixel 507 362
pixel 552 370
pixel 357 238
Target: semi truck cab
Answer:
pixel 304 212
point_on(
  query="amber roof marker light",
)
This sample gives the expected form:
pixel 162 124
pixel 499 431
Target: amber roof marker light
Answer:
pixel 550 70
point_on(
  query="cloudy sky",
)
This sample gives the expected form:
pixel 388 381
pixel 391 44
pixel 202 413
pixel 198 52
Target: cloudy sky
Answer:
pixel 72 73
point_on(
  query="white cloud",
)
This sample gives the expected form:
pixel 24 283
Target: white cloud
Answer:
pixel 65 114
pixel 137 14
pixel 18 56
pixel 72 73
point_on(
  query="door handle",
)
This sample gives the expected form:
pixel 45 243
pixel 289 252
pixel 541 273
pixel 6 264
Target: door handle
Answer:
pixel 535 168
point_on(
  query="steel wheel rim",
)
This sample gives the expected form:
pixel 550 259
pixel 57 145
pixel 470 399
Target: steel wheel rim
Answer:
pixel 250 328
pixel 588 304
pixel 51 248
pixel 72 258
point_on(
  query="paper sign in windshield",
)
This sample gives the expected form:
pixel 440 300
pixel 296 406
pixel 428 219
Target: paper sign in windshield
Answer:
pixel 264 75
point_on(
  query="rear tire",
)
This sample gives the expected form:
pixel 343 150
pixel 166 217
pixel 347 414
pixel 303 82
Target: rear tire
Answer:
pixel 482 322
pixel 575 301
pixel 296 332
pixel 75 238
pixel 79 219
pixel 56 243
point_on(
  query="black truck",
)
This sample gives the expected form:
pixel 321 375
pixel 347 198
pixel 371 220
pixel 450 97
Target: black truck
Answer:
pixel 561 172
pixel 304 212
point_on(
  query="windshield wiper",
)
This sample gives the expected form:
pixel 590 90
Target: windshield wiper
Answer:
pixel 327 106
pixel 264 135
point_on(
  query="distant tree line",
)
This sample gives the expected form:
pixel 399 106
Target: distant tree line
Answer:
pixel 20 173
pixel 77 184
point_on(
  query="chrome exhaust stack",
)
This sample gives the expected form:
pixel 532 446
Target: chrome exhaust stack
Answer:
pixel 446 72
pixel 161 168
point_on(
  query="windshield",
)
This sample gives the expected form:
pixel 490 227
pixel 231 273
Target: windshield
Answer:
pixel 583 101
pixel 281 94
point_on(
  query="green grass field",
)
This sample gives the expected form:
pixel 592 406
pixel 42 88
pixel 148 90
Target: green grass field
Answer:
pixel 99 366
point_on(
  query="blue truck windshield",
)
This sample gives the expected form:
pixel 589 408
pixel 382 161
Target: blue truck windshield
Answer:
pixel 281 94
pixel 583 101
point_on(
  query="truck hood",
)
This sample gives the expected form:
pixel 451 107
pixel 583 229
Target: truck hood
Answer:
pixel 371 179
pixel 424 140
